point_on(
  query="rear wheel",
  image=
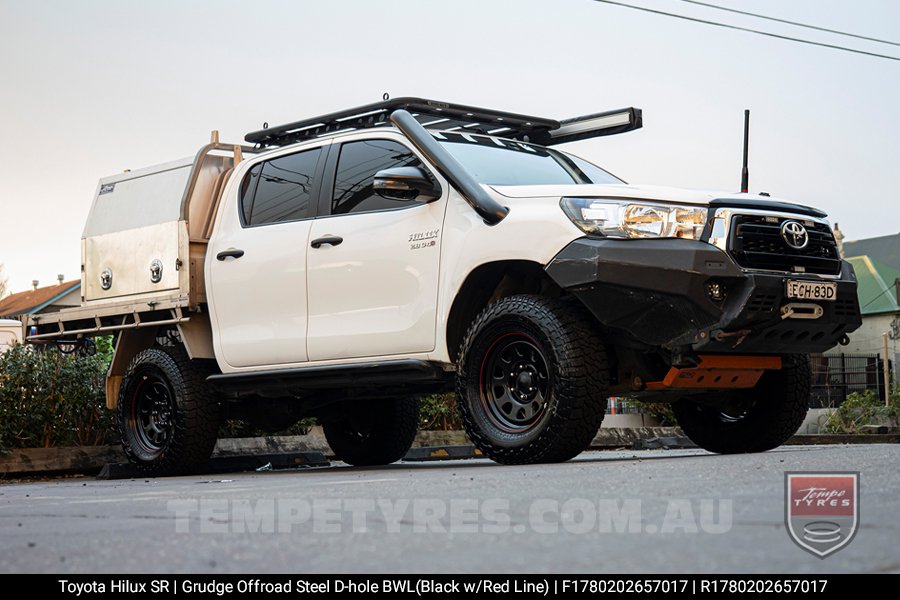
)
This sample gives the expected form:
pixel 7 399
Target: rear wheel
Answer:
pixel 376 433
pixel 753 420
pixel 167 416
pixel 532 381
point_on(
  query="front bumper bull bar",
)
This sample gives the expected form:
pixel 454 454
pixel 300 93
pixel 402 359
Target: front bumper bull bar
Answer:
pixel 657 291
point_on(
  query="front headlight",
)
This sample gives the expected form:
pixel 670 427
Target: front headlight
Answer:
pixel 631 219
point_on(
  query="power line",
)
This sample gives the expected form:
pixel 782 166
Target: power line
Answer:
pixel 883 292
pixel 796 23
pixel 748 30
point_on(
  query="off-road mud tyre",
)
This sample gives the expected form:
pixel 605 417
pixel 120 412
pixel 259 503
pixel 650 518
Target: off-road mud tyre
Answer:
pixel 765 417
pixel 378 432
pixel 532 380
pixel 168 417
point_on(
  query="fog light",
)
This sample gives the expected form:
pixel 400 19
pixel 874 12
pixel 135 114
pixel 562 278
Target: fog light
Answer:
pixel 716 291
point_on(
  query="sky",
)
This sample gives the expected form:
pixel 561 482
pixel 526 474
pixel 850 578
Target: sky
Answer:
pixel 89 88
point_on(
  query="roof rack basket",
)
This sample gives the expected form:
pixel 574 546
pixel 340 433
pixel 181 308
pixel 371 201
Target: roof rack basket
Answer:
pixel 444 116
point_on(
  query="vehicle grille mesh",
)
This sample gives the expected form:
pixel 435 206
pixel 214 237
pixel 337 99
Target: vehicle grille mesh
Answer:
pixel 756 243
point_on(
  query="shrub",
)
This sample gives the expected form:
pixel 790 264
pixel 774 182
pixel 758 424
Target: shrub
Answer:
pixel 50 398
pixel 861 409
pixel 662 411
pixel 236 428
pixel 437 412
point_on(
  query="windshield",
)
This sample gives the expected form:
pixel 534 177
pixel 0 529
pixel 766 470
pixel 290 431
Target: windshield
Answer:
pixel 496 161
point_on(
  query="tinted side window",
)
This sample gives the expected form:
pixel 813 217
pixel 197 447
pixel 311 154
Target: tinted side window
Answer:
pixel 284 189
pixel 357 165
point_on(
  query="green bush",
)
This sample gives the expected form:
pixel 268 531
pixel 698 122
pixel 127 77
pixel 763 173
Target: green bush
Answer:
pixel 50 398
pixel 236 428
pixel 661 410
pixel 437 412
pixel 861 409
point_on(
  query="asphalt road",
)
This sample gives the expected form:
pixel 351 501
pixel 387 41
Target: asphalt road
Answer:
pixel 615 512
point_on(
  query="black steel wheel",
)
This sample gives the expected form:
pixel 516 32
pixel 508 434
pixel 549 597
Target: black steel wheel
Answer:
pixel 754 420
pixel 152 412
pixel 168 417
pixel 532 380
pixel 515 383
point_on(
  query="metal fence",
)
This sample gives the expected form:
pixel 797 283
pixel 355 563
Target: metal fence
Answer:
pixel 834 376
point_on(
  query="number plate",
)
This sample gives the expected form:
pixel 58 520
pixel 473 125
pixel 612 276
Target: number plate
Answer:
pixel 812 290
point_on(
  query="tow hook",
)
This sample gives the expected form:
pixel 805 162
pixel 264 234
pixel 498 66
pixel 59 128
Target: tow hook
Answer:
pixel 740 334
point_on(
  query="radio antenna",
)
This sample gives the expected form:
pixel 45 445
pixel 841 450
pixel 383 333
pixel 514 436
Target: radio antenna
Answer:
pixel 745 171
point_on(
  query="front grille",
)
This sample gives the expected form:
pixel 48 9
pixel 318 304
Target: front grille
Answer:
pixel 756 243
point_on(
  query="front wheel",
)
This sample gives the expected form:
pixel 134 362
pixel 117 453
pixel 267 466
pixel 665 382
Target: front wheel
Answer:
pixel 376 433
pixel 168 417
pixel 532 380
pixel 754 420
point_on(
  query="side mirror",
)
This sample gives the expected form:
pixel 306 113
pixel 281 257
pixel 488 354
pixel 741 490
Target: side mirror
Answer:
pixel 406 183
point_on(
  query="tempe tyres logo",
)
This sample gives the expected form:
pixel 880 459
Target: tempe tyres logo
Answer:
pixel 821 510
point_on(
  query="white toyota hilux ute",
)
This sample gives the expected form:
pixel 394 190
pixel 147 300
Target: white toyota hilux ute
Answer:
pixel 342 266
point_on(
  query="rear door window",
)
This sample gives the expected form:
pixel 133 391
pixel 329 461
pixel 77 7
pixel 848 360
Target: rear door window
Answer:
pixel 281 189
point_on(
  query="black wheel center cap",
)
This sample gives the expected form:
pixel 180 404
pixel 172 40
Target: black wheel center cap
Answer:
pixel 160 413
pixel 524 382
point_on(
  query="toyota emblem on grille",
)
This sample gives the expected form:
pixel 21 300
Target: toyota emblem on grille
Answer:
pixel 794 234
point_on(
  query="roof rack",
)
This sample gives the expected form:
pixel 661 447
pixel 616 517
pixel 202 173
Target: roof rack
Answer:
pixel 444 116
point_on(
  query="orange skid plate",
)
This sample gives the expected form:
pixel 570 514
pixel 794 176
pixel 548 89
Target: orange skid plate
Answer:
pixel 718 373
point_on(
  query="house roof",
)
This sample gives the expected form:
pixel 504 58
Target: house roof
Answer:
pixel 885 249
pixel 876 285
pixel 34 300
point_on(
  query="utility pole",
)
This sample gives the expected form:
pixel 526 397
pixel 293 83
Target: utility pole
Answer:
pixel 887 372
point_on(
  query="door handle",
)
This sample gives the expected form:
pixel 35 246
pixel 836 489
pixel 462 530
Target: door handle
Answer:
pixel 230 253
pixel 331 240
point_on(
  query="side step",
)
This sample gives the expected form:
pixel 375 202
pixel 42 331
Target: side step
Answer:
pixel 412 374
